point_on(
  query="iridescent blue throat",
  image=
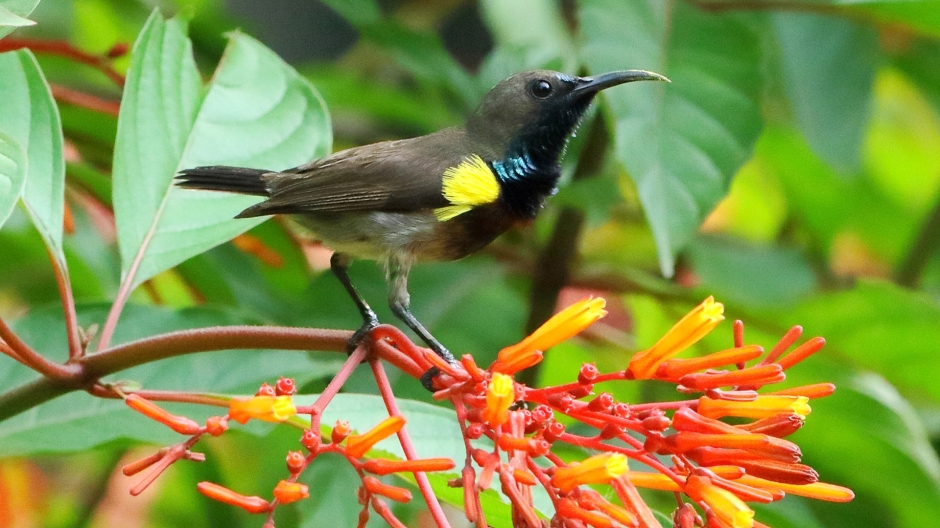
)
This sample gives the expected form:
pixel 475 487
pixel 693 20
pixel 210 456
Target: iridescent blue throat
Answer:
pixel 526 183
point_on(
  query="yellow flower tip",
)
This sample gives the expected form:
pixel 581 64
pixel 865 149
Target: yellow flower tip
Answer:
pixel 598 469
pixel 358 445
pixel 500 395
pixel 266 408
pixel 726 505
pixel 561 326
pixel 287 492
pixel 689 330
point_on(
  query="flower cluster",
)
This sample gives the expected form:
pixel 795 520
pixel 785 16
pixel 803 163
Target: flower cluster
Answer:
pixel 511 432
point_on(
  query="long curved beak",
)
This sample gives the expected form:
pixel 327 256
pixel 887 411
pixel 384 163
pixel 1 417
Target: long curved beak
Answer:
pixel 596 83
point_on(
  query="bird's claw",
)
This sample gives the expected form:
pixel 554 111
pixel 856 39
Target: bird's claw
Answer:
pixel 360 334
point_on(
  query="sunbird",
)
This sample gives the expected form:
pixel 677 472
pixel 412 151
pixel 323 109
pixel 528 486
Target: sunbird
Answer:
pixel 441 196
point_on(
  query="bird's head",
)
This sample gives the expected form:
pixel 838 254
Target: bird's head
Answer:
pixel 538 110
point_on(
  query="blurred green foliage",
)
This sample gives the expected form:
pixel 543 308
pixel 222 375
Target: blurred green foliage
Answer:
pixel 792 169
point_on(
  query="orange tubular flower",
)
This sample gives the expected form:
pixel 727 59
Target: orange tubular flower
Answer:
pixel 251 504
pixel 569 509
pixel 562 326
pixel 287 492
pixel 725 505
pixel 180 424
pixel 377 487
pixel 382 466
pixel 358 445
pixel 500 395
pixel 688 331
pixel 676 368
pixel 763 406
pixel 598 469
pixel 266 408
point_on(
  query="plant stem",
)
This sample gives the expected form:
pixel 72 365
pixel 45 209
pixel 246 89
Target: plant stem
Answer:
pixel 35 360
pixel 385 388
pixel 68 308
pixel 88 369
pixel 64 49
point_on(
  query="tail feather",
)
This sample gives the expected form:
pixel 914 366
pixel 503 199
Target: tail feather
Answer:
pixel 220 178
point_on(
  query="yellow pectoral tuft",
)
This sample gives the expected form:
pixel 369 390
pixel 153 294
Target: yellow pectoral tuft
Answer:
pixel 466 185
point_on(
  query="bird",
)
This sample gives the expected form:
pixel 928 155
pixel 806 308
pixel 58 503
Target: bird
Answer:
pixel 438 197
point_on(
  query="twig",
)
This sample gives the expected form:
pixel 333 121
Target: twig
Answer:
pixel 385 388
pixel 85 100
pixel 63 48
pixel 103 391
pixel 928 240
pixel 68 308
pixel 35 360
pixel 85 371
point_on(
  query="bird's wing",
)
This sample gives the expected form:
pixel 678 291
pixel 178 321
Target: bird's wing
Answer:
pixel 402 175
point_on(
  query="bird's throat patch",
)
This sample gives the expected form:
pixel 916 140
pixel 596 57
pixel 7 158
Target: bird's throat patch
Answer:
pixel 469 184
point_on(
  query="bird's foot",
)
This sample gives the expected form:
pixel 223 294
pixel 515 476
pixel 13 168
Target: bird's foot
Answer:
pixel 427 379
pixel 363 332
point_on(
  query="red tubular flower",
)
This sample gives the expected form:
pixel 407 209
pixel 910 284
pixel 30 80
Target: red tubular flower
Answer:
pixel 598 469
pixel 778 425
pixel 296 462
pixel 358 445
pixel 593 500
pixel 287 492
pixel 753 376
pixel 562 326
pixel 688 331
pixel 817 390
pixel 180 424
pixel 251 504
pixel 265 408
pixel 385 512
pixel 674 369
pixel 802 352
pixel 725 505
pixel 633 502
pixel 382 466
pixel 377 487
pixel 569 509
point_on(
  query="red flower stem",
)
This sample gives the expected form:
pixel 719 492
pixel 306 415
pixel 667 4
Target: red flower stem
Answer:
pixel 68 309
pixel 424 485
pixel 596 443
pixel 64 49
pixel 557 389
pixel 35 360
pixel 316 410
pixel 396 357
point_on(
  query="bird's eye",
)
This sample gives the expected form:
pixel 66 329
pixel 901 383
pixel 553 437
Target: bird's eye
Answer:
pixel 541 89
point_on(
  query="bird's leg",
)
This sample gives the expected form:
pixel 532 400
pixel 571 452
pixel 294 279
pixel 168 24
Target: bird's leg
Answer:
pixel 338 264
pixel 399 300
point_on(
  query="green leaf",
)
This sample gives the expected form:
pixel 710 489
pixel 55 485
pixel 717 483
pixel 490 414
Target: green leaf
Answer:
pixel 87 422
pixel 12 175
pixel 680 142
pixel 13 14
pixel 751 275
pixel 31 117
pixel 11 19
pixel 257 112
pixel 828 67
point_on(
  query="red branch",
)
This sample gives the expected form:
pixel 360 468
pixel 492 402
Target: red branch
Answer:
pixel 64 49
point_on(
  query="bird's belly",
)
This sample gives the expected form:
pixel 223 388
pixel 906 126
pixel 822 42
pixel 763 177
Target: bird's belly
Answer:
pixel 374 235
